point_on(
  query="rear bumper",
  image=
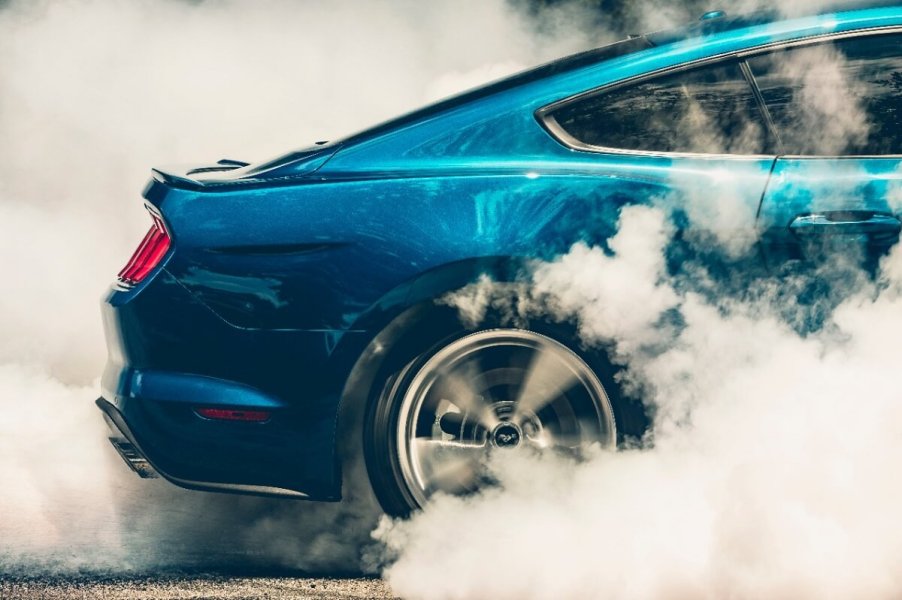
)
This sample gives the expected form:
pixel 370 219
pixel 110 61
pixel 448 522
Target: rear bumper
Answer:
pixel 170 355
pixel 138 460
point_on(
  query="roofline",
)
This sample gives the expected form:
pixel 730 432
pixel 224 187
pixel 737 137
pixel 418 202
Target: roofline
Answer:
pixel 730 23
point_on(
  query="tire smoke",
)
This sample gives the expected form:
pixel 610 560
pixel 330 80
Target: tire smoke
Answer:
pixel 769 472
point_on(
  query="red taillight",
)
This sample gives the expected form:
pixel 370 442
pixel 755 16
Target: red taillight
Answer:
pixel 233 414
pixel 148 255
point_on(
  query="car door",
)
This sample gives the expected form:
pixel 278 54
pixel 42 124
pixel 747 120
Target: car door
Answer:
pixel 836 192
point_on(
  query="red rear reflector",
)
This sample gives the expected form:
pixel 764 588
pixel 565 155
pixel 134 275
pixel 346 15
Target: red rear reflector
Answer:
pixel 148 255
pixel 232 414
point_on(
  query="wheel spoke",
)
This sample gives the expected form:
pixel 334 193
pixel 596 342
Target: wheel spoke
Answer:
pixel 458 388
pixel 457 425
pixel 546 379
pixel 448 465
pixel 548 440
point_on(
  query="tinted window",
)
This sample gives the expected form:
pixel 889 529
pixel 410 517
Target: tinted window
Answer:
pixel 708 110
pixel 836 99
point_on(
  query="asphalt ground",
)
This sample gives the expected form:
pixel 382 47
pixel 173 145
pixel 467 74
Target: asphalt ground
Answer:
pixel 193 587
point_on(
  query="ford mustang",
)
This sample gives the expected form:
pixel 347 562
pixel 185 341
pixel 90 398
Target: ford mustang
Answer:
pixel 283 317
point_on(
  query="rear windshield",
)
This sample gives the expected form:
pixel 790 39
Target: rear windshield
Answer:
pixel 709 110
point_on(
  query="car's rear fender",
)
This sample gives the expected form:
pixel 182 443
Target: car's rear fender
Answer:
pixel 316 256
pixel 169 356
pixel 412 306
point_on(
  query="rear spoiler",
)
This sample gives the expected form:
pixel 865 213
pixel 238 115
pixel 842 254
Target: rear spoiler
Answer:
pixel 227 172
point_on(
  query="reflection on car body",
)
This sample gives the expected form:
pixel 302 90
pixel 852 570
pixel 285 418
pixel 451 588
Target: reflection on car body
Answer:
pixel 271 301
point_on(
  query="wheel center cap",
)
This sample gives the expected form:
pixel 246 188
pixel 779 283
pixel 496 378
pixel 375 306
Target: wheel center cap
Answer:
pixel 506 435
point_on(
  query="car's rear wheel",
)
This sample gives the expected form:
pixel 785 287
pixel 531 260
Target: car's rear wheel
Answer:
pixel 437 419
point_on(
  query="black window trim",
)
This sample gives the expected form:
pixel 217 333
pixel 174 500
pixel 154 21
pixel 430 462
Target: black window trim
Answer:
pixel 546 119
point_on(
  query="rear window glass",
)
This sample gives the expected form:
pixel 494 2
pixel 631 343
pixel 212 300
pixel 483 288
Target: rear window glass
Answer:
pixel 707 110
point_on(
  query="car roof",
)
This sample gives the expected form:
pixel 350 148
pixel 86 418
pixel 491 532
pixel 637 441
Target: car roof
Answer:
pixel 717 24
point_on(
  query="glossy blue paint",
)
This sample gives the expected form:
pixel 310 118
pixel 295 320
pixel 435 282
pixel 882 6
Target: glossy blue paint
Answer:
pixel 281 274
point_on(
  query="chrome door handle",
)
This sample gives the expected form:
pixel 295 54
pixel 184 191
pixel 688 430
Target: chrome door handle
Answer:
pixel 846 223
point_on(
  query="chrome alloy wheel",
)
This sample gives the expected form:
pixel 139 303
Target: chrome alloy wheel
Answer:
pixel 498 390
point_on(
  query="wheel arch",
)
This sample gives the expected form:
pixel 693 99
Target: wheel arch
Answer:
pixel 409 315
pixel 399 312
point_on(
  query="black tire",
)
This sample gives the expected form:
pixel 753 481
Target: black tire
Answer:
pixel 441 330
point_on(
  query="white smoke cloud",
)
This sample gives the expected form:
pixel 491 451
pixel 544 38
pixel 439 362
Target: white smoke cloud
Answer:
pixel 624 290
pixel 769 475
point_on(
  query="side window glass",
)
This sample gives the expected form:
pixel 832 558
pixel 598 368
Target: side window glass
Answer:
pixel 707 110
pixel 843 98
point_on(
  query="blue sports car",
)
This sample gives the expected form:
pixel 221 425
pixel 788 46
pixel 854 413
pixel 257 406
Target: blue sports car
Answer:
pixel 282 317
